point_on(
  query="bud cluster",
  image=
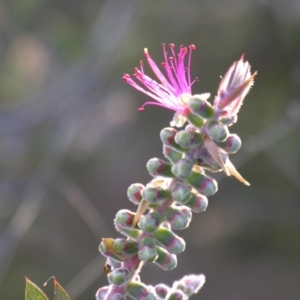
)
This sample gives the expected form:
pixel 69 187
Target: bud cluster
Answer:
pixel 180 185
pixel 207 146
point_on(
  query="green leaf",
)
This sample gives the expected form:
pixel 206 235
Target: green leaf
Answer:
pixel 32 292
pixel 59 292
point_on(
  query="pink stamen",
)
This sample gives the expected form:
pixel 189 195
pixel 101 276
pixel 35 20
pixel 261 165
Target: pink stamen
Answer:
pixel 142 66
pixel 195 80
pixel 171 84
pixel 153 103
pixel 172 73
pixel 191 47
pixel 172 46
pixel 126 77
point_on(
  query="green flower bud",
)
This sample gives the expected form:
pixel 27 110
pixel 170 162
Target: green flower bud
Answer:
pixel 171 154
pixel 181 192
pixel 150 222
pixel 107 253
pixel 173 243
pixel 201 107
pixel 147 250
pixel 119 276
pixel 188 139
pixel 124 247
pixel 155 194
pixel 197 203
pixel 176 295
pixel 124 219
pixel 232 144
pixel 134 192
pixel 147 254
pixel 167 136
pixel 217 131
pixel 139 291
pixel 183 168
pixel 195 120
pixel 179 217
pixel 161 290
pixel 165 260
pixel 158 167
pixel 205 185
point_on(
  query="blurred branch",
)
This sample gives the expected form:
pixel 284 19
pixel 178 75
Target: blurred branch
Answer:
pixel 282 159
pixel 287 167
pixel 82 205
pixel 272 134
pixel 100 56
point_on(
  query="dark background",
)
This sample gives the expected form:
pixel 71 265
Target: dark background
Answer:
pixel 72 141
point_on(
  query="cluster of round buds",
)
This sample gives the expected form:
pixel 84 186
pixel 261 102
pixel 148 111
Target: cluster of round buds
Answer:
pixel 180 290
pixel 153 239
pixel 179 187
pixel 217 142
pixel 180 184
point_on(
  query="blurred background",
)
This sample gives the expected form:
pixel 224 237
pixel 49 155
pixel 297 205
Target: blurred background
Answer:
pixel 72 141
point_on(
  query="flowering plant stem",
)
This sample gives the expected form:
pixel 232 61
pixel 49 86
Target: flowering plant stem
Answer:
pixel 180 184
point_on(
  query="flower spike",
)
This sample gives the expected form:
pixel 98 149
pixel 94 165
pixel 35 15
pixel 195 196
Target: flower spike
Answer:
pixel 180 185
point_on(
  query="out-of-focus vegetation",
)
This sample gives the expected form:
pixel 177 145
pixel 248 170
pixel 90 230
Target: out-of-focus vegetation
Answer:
pixel 72 141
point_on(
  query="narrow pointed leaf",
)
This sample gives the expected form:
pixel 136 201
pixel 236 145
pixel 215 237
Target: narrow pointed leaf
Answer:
pixel 59 292
pixel 32 292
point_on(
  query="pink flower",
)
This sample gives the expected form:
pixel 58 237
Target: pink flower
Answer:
pixel 233 88
pixel 172 91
